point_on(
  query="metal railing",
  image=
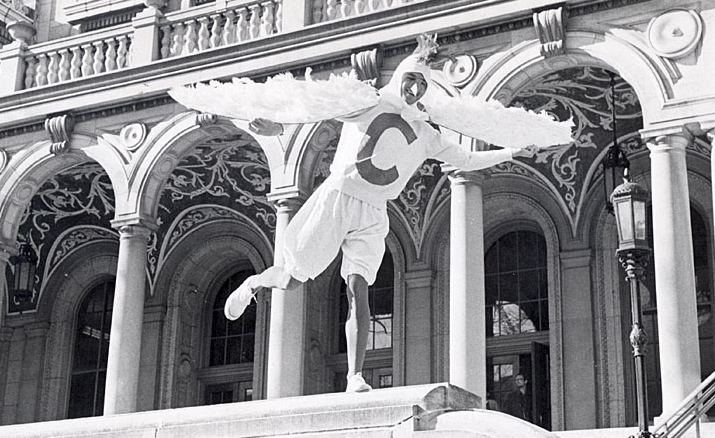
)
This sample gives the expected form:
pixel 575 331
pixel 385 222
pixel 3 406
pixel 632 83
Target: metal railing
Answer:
pixel 694 407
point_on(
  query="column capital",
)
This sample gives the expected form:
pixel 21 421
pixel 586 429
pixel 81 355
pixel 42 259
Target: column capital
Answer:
pixel 287 199
pixel 136 222
pixel 575 258
pixel 420 278
pixel 36 329
pixel 133 232
pixel 464 177
pixel 675 136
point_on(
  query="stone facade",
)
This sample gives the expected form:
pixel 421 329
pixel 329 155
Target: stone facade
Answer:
pixel 108 179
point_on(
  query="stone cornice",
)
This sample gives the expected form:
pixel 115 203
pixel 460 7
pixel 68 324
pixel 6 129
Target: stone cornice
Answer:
pixel 333 41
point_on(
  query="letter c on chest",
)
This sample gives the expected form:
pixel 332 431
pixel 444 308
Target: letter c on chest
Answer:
pixel 365 167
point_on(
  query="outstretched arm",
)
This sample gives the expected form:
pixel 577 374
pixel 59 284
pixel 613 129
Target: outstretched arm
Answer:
pixel 265 127
pixel 466 160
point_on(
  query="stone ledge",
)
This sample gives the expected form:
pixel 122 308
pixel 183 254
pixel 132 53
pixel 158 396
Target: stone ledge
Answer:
pixel 373 413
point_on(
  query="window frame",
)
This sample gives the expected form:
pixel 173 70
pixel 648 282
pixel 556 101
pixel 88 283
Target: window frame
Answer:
pixel 84 296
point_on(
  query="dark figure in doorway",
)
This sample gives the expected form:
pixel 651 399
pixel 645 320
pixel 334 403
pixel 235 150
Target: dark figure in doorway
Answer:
pixel 518 401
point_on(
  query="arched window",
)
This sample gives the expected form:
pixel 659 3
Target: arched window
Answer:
pixel 229 375
pixel 516 285
pixel 517 324
pixel 377 369
pixel 91 346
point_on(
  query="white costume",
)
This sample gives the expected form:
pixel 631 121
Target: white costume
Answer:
pixel 378 152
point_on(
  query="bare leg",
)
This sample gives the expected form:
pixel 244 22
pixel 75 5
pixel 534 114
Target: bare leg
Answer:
pixel 357 325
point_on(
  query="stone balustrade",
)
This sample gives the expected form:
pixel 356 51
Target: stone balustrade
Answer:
pixel 77 57
pixel 199 29
pixel 329 10
pixel 157 36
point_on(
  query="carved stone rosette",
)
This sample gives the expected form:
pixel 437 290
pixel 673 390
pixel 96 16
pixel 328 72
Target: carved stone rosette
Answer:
pixel 675 33
pixel 132 136
pixel 550 27
pixel 60 129
pixel 367 65
pixel 461 69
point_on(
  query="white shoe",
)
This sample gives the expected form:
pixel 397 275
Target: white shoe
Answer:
pixel 239 299
pixel 357 384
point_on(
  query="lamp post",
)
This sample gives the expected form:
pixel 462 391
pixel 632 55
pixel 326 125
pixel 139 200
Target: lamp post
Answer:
pixel 629 203
pixel 615 162
pixel 24 276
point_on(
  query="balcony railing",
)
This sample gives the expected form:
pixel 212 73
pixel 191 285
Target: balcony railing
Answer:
pixel 77 57
pixel 153 36
pixel 329 10
pixel 200 29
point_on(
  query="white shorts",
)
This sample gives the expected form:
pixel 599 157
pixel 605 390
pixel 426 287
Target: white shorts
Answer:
pixel 330 221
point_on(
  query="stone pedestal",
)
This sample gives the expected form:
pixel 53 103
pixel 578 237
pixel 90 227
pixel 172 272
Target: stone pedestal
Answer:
pixel 286 341
pixel 674 270
pixel 120 395
pixel 467 334
pixel 12 67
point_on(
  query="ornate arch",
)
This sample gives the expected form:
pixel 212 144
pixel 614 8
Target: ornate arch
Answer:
pixel 165 146
pixel 651 77
pixel 32 166
pixel 187 294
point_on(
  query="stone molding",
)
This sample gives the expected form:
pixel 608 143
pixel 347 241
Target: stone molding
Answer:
pixel 60 129
pixel 79 10
pixel 550 27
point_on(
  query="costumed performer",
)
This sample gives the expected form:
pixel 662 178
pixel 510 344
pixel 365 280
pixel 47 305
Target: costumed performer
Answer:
pixel 379 150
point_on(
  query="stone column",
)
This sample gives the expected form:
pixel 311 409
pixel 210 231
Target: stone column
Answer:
pixel 674 269
pixel 120 395
pixel 33 362
pixel 418 333
pixel 286 343
pixel 467 334
pixel 578 350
